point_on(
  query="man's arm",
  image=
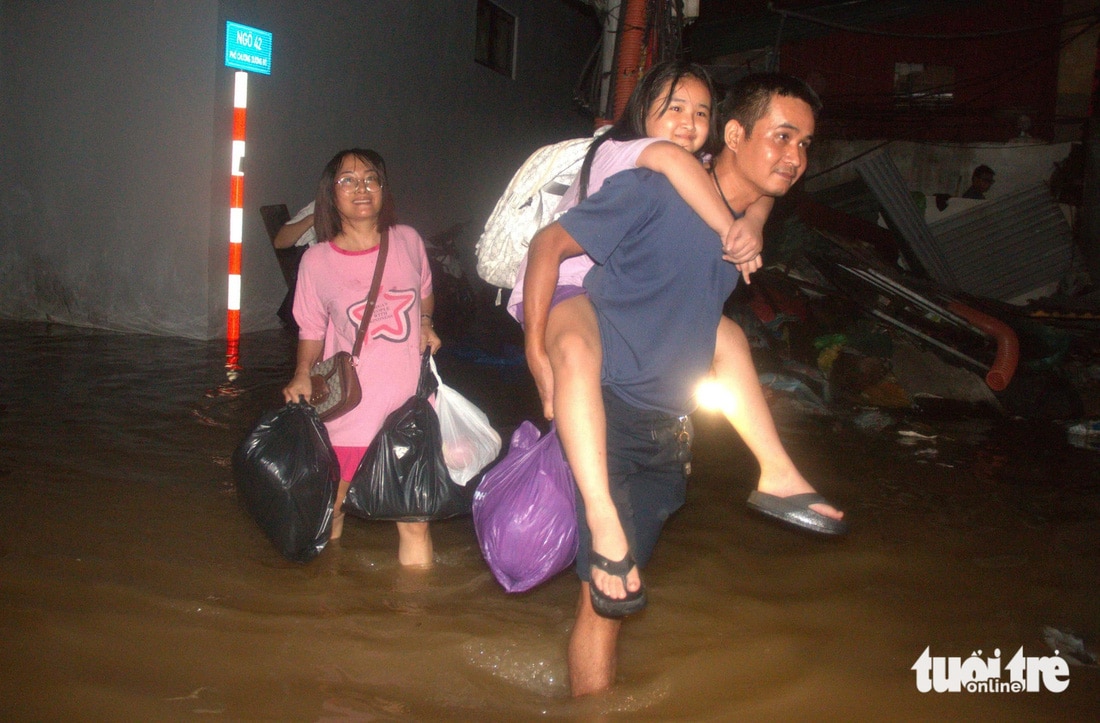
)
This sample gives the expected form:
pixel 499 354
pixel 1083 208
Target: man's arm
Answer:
pixel 289 234
pixel 548 249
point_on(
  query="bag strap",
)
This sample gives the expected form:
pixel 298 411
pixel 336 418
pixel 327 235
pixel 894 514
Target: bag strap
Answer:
pixel 429 380
pixel 372 296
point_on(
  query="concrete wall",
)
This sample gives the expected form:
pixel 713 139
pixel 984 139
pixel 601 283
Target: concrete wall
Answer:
pixel 115 127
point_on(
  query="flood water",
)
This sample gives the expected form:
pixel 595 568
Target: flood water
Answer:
pixel 134 586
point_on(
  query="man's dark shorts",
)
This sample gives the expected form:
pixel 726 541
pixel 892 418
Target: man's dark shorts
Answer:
pixel 646 451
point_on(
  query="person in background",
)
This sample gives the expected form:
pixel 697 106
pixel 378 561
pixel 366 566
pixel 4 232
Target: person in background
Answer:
pixel 981 180
pixel 296 234
pixel 298 231
pixel 354 212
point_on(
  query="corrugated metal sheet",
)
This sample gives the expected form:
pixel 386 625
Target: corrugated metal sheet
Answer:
pixel 1000 249
pixel 1008 246
pixel 882 176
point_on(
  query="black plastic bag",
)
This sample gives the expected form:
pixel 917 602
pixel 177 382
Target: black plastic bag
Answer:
pixel 287 475
pixel 403 475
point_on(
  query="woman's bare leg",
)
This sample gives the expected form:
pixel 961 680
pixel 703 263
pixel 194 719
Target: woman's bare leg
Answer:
pixel 414 548
pixel 573 345
pixel 747 410
pixel 338 510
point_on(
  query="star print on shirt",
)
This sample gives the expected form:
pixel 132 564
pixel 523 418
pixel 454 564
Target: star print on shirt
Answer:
pixel 392 315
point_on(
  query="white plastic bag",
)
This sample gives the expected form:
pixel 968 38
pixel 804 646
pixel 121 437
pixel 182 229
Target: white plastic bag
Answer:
pixel 469 441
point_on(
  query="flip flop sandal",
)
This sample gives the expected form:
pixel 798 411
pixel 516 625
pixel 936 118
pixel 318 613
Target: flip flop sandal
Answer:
pixel 795 511
pixel 609 607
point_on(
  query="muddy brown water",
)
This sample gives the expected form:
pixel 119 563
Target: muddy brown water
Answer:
pixel 133 586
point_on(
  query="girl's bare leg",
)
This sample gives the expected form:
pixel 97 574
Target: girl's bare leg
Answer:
pixel 414 544
pixel 573 345
pixel 750 416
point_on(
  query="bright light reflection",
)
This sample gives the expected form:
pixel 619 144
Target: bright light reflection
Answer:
pixel 712 395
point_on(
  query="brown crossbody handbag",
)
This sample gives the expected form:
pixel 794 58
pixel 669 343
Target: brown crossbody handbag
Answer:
pixel 336 389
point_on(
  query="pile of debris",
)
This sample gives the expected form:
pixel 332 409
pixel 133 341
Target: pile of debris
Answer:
pixel 850 314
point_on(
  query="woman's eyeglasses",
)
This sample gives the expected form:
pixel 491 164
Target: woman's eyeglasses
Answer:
pixel 350 184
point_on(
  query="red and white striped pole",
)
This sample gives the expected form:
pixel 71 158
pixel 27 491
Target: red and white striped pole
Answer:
pixel 236 222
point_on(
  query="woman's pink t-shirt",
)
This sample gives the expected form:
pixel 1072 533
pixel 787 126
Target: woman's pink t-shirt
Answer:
pixel 328 304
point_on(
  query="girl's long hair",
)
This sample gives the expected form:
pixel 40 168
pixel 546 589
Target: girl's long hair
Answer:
pixel 656 85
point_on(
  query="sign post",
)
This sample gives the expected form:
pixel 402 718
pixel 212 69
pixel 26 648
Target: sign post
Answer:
pixel 246 49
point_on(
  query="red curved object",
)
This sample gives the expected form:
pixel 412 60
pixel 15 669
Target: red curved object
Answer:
pixel 627 64
pixel 1008 345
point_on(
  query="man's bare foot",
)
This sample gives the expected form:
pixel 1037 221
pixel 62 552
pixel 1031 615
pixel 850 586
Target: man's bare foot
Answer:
pixel 608 607
pixel 612 545
pixel 612 585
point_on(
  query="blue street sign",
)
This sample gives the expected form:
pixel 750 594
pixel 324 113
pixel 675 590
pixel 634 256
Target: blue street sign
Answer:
pixel 247 48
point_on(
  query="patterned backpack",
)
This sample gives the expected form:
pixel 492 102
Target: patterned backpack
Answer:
pixel 527 205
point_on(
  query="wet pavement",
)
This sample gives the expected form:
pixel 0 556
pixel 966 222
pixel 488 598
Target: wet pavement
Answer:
pixel 134 586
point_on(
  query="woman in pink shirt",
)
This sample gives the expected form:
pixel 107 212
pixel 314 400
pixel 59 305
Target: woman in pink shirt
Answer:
pixel 353 209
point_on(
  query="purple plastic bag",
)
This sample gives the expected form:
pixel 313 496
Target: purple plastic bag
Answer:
pixel 525 514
